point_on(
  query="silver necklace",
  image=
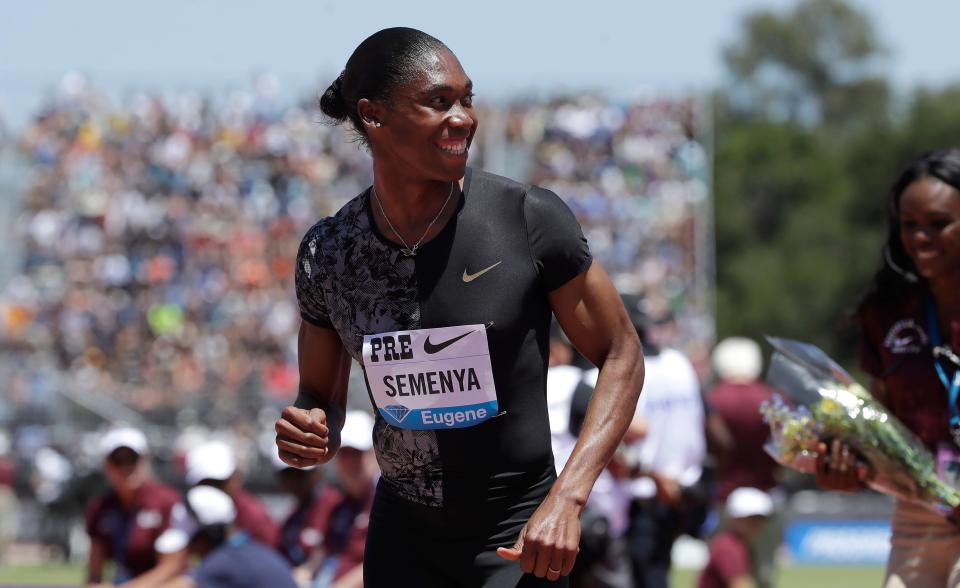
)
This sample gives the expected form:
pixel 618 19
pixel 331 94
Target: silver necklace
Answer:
pixel 406 249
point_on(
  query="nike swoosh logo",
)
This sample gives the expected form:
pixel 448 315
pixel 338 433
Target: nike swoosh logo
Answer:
pixel 467 278
pixel 431 348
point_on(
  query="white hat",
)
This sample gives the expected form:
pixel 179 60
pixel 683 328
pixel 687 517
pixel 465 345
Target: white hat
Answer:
pixel 357 430
pixel 214 460
pixel 123 437
pixel 208 506
pixel 738 358
pixel 749 502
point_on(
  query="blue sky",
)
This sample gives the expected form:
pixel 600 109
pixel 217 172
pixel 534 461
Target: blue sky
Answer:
pixel 508 47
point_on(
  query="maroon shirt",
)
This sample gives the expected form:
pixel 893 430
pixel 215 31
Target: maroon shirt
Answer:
pixel 7 472
pixel 738 405
pixel 253 517
pixel 729 559
pixel 345 522
pixel 129 534
pixel 895 347
pixel 304 528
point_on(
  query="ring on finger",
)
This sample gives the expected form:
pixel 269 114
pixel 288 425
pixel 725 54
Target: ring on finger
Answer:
pixel 553 571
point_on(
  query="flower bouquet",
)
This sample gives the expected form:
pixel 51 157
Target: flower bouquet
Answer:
pixel 824 403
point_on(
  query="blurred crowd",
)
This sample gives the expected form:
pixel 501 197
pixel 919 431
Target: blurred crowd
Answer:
pixel 636 175
pixel 156 242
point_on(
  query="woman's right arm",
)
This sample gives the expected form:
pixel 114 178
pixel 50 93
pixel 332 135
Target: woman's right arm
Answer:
pixel 308 433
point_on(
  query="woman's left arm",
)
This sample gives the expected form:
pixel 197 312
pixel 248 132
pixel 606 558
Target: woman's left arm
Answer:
pixel 591 314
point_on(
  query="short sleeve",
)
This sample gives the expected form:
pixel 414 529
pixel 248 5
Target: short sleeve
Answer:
pixel 557 245
pixel 307 278
pixel 870 360
pixel 730 558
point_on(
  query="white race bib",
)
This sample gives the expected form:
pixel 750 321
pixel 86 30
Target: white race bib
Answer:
pixel 431 378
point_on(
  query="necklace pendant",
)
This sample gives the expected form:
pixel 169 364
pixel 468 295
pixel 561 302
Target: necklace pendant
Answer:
pixel 408 252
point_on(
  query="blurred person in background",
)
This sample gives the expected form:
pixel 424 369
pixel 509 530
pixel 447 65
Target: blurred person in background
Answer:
pixel 664 457
pixel 8 496
pixel 214 463
pixel 51 480
pixel 228 557
pixel 301 532
pixel 338 560
pixel 739 436
pixel 124 523
pixel 909 343
pixel 730 564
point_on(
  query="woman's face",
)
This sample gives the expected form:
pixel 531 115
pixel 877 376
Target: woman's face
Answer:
pixel 429 123
pixel 125 469
pixel 930 227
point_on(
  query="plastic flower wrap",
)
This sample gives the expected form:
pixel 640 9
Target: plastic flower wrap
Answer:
pixel 824 403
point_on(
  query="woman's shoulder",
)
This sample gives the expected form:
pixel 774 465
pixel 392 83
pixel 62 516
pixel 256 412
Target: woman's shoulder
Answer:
pixel 340 221
pixel 890 305
pixel 481 181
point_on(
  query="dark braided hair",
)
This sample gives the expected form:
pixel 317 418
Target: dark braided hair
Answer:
pixel 383 62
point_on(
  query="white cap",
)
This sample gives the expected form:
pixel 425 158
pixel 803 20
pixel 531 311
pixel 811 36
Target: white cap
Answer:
pixel 209 506
pixel 738 358
pixel 214 460
pixel 749 502
pixel 123 437
pixel 357 430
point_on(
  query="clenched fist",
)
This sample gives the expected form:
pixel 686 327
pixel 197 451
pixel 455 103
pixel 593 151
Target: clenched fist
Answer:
pixel 304 437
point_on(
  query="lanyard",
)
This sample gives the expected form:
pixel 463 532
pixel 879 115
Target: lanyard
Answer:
pixel 953 388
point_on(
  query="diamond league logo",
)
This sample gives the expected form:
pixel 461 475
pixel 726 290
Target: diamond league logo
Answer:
pixel 397 412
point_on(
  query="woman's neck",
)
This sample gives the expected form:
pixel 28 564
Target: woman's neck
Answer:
pixel 410 203
pixel 127 496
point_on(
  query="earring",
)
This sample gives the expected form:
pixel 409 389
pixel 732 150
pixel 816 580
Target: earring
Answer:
pixel 377 124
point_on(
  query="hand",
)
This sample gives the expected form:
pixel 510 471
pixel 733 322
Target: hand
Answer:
pixel 303 437
pixel 668 490
pixel 838 469
pixel 548 544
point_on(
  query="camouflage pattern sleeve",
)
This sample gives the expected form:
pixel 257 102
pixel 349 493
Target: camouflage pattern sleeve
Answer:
pixel 309 283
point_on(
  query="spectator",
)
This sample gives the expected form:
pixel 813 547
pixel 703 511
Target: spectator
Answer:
pixel 328 551
pixel 214 464
pixel 741 460
pixel 8 497
pixel 302 532
pixel 229 558
pixel 730 565
pixel 124 523
pixel 338 562
pixel 668 447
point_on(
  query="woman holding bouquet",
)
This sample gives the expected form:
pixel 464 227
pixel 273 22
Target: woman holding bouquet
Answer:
pixel 910 339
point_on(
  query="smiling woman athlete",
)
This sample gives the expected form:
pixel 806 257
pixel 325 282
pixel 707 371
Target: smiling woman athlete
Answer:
pixel 441 281
pixel 909 341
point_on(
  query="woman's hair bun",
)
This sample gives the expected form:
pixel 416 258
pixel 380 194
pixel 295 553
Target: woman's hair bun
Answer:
pixel 332 103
